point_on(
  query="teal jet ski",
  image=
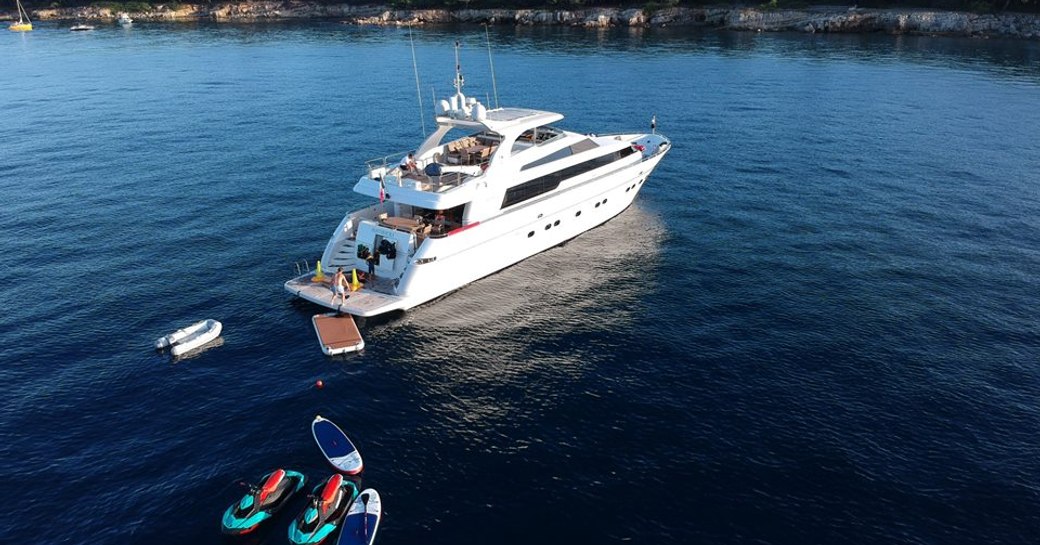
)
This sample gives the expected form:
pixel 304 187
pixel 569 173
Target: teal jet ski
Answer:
pixel 323 515
pixel 262 502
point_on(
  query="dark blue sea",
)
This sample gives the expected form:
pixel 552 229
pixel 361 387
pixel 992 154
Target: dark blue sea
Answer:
pixel 819 322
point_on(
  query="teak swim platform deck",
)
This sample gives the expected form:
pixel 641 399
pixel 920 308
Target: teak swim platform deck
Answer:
pixel 337 333
pixel 367 301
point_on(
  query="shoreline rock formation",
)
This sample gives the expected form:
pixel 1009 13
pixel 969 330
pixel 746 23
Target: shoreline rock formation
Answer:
pixel 818 19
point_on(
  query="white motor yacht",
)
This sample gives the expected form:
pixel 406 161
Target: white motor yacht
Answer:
pixel 489 188
pixel 124 19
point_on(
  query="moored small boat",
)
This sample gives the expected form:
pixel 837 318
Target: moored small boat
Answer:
pixel 23 24
pixel 124 19
pixel 190 338
pixel 262 502
pixel 80 28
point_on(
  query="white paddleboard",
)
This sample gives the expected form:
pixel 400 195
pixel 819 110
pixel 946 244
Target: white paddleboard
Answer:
pixel 359 528
pixel 337 448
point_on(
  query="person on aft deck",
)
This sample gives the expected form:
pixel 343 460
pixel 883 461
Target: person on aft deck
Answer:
pixel 371 259
pixel 339 285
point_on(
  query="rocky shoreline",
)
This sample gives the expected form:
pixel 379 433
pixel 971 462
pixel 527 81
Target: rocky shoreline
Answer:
pixel 829 19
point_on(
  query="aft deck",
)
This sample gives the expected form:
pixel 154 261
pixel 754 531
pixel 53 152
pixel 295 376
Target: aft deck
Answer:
pixel 368 301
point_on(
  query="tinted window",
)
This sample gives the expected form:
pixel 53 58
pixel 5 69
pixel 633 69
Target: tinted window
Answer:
pixel 544 184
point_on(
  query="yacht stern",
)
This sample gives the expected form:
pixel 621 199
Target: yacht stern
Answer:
pixel 364 302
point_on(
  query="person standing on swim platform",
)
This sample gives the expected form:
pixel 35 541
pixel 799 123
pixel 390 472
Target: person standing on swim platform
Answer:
pixel 339 285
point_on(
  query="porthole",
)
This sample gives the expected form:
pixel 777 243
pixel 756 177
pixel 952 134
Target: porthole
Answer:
pixel 555 223
pixel 627 189
pixel 547 226
pixel 597 205
pixel 578 213
pixel 531 234
pixel 604 201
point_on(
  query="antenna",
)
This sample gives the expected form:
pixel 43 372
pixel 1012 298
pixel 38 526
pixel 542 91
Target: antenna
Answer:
pixel 418 93
pixel 459 82
pixel 494 85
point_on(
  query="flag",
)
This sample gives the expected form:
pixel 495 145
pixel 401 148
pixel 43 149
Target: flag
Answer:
pixel 382 191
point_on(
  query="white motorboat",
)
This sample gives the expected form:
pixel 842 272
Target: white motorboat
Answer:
pixel 81 28
pixel 124 19
pixel 189 338
pixel 490 188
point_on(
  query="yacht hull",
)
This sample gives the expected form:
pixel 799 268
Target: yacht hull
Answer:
pixel 454 261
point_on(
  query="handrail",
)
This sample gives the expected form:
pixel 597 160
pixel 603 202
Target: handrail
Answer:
pixel 436 183
pixel 390 162
pixel 384 162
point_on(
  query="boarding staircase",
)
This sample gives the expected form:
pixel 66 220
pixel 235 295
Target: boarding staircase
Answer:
pixel 345 255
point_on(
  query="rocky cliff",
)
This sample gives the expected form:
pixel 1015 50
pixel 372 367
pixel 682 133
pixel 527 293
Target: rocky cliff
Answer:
pixel 831 19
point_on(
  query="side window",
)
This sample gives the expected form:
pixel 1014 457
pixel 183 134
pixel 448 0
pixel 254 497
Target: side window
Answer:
pixel 544 184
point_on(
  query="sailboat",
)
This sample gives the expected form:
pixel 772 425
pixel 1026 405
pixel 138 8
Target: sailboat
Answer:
pixel 23 24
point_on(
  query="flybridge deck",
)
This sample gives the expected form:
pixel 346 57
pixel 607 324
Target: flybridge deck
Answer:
pixel 365 302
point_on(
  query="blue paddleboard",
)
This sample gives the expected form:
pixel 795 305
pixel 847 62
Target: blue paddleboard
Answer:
pixel 338 450
pixel 359 528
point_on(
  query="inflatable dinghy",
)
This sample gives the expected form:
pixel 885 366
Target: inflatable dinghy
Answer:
pixel 190 338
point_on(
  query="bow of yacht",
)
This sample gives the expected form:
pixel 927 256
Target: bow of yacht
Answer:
pixel 487 189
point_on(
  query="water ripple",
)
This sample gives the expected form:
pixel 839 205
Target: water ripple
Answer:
pixel 817 321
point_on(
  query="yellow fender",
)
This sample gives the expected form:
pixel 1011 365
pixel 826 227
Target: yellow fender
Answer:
pixel 354 284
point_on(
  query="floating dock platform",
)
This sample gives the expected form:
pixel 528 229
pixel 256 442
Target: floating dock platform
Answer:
pixel 337 333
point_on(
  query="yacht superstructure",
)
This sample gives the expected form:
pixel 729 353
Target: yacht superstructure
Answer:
pixel 487 189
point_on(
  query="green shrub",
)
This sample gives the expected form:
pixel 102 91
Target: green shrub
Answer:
pixel 657 5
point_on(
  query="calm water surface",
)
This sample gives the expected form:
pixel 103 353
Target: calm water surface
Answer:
pixel 817 324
